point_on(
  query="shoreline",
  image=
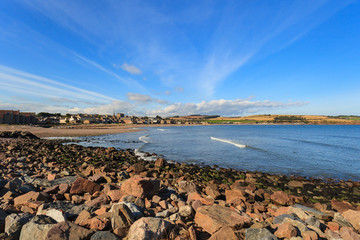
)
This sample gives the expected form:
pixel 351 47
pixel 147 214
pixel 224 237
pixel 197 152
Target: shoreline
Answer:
pixel 84 130
pixel 184 197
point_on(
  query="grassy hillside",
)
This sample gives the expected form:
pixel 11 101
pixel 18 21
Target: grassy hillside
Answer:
pixel 286 119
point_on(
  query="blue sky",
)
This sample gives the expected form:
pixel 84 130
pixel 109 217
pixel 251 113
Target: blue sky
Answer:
pixel 180 57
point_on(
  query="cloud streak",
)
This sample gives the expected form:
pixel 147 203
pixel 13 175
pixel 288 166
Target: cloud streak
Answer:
pixel 129 68
pixel 223 107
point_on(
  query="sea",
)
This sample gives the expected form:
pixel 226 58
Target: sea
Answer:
pixel 319 151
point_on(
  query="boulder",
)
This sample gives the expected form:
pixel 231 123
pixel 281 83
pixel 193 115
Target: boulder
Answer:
pixel 212 190
pixel 148 228
pixel 141 187
pixel 348 233
pixel 37 228
pixel 186 187
pixel 212 218
pixel 225 233
pixel 160 162
pixel 30 196
pixel 81 186
pixel 341 206
pixel 311 211
pixel 285 230
pixel 281 198
pixel 235 196
pixel 121 218
pixel 68 231
pixel 14 222
pixel 353 217
pixel 115 195
pixel 185 211
pixel 259 233
pixel 103 235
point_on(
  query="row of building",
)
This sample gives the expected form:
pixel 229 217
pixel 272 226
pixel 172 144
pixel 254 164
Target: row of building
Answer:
pixel 17 117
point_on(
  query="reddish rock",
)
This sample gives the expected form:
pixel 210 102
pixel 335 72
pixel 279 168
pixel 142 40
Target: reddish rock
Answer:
pixel 81 186
pixel 186 187
pixel 98 223
pixel 351 216
pixel 30 196
pixel 141 187
pixel 341 206
pixel 285 230
pixel 348 233
pixel 333 226
pixel 212 218
pixel 195 196
pixel 63 188
pixel 309 235
pixel 101 200
pixel 102 210
pixel 235 196
pixel 225 233
pixel 68 230
pixel 51 176
pixel 160 162
pixel 83 218
pixel 115 195
pixel 212 190
pixel 281 198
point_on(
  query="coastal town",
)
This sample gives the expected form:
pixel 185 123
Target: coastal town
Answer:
pixel 15 117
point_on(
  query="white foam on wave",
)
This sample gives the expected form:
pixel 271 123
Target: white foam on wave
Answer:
pixel 142 138
pixel 160 129
pixel 229 142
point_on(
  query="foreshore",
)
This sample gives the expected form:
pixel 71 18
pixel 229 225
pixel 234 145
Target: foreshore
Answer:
pixel 53 191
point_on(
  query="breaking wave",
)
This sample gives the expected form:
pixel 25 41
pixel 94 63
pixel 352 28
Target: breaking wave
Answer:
pixel 142 138
pixel 229 142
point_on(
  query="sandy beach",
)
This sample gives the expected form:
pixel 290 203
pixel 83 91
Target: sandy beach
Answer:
pixel 71 131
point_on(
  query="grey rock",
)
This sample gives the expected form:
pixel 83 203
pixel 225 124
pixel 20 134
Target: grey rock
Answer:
pixel 135 209
pixel 163 214
pixel 174 217
pixel 279 219
pixel 37 228
pixel 148 228
pixel 71 210
pixel 14 222
pixel 121 217
pixel 103 235
pixel 259 234
pixel 68 231
pixel 185 211
pixel 339 218
pixel 314 212
pixel 313 221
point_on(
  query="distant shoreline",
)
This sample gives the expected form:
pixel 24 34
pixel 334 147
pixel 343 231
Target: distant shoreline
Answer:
pixel 84 130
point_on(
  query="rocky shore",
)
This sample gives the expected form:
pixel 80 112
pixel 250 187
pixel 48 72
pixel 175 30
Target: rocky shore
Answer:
pixel 51 190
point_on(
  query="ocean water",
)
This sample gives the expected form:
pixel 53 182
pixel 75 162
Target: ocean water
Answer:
pixel 320 151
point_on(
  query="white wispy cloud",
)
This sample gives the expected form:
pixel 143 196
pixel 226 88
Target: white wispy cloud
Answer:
pixel 14 80
pixel 222 107
pixel 129 82
pixel 137 97
pixel 129 68
pixel 142 98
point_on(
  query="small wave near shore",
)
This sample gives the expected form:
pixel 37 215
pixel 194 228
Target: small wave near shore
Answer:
pixel 229 142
